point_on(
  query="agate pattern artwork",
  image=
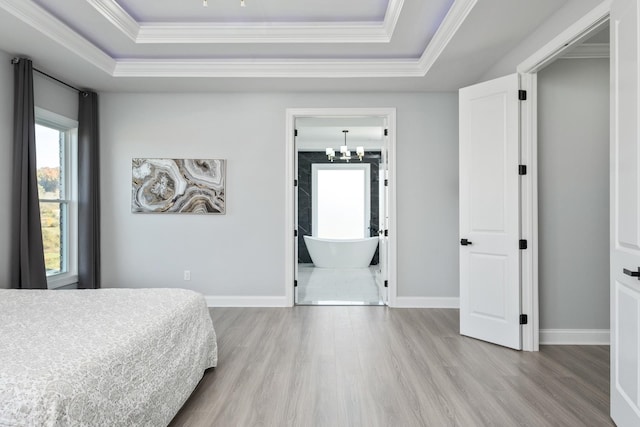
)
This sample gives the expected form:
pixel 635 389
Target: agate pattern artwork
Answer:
pixel 178 186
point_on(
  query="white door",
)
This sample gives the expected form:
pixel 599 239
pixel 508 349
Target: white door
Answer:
pixel 625 214
pixel 489 212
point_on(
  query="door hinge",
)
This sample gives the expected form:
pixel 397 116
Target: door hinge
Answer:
pixel 522 95
pixel 386 182
pixel 523 244
pixel 295 132
pixel 295 283
pixel 524 319
pixel 295 233
pixel 295 182
pixel 386 132
pixel 522 169
pixel 386 283
pixel 386 233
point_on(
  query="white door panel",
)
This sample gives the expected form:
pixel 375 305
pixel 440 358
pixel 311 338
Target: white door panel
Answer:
pixel 487 297
pixel 489 212
pixel 625 218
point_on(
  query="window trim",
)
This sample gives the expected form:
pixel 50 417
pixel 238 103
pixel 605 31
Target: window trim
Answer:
pixel 70 247
pixel 366 167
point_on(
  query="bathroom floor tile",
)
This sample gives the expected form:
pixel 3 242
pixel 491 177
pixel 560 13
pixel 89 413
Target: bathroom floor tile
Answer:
pixel 328 286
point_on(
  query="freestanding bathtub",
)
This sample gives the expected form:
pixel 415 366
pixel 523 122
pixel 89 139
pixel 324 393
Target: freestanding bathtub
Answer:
pixel 338 253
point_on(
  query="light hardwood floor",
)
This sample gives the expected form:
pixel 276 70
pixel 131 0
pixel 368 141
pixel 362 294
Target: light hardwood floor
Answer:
pixel 375 366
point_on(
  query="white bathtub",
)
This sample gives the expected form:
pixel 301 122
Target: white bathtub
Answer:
pixel 334 253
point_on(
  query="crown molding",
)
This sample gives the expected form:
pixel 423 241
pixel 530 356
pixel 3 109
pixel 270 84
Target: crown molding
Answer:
pixel 588 51
pixel 391 17
pixel 447 29
pixel 215 32
pixel 35 16
pixel 267 68
pixel 305 32
pixel 117 16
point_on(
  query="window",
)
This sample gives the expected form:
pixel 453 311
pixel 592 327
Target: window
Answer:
pixel 341 200
pixel 56 170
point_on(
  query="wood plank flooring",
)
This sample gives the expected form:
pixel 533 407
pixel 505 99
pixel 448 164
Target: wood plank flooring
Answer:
pixel 375 366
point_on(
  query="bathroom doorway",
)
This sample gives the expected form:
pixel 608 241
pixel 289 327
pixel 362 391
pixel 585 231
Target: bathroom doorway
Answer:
pixel 341 210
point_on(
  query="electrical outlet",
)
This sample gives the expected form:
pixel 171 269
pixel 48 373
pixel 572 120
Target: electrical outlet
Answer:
pixel 187 275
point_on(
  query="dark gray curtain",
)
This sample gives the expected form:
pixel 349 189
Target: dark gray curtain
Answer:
pixel 27 262
pixel 88 193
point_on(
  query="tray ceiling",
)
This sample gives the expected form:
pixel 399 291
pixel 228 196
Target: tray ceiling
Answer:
pixel 120 42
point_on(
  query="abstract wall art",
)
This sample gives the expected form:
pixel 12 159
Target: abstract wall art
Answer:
pixel 194 186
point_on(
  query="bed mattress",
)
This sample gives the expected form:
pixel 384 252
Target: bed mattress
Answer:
pixel 105 357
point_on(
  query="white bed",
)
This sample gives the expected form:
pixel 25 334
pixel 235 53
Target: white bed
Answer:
pixel 106 357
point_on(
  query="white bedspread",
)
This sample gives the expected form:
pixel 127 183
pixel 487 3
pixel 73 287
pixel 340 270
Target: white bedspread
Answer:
pixel 106 357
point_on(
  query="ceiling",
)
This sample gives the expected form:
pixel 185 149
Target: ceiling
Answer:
pixel 269 45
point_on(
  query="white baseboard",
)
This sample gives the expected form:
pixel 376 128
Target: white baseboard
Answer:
pixel 427 302
pixel 238 301
pixel 574 336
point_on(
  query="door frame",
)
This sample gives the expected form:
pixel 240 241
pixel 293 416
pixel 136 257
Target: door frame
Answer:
pixel 290 176
pixel 528 71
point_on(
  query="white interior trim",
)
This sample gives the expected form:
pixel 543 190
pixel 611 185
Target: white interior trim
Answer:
pixel 448 28
pixel 529 212
pixel 427 302
pixel 290 175
pixel 117 16
pixel 243 301
pixel 290 33
pixel 242 68
pixel 583 28
pixel 528 69
pixel 588 51
pixel 394 8
pixel 574 336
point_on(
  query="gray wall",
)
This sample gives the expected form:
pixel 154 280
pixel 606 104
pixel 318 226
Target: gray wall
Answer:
pixel 241 253
pixel 55 97
pixel 573 150
pixel 6 162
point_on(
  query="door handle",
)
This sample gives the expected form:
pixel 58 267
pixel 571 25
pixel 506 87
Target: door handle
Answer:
pixel 632 273
pixel 465 242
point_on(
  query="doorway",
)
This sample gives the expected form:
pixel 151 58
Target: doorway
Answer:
pixel 587 27
pixel 342 206
pixel 339 210
pixel 573 195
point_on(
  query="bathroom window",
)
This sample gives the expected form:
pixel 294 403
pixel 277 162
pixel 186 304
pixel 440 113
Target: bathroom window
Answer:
pixel 341 200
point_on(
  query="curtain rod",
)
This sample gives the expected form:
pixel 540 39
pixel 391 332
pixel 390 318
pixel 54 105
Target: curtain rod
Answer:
pixel 16 60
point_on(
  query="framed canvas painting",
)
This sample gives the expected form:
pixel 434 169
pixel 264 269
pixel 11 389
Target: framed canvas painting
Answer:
pixel 195 186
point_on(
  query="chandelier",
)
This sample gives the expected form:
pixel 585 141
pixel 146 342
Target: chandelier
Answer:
pixel 345 153
pixel 204 3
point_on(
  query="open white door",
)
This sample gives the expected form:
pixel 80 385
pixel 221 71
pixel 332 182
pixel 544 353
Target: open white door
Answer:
pixel 489 212
pixel 625 214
